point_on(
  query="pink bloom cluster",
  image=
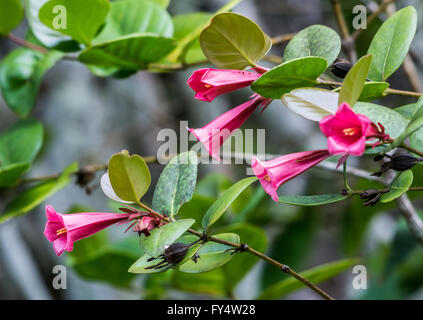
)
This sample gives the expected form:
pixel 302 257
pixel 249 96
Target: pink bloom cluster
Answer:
pixel 346 131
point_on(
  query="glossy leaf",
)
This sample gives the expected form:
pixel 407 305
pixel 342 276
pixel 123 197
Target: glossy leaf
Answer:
pixel 21 142
pixel 316 275
pixel 189 43
pixel 232 41
pixel 176 184
pixel 212 255
pixel 317 41
pixel 21 73
pixel 399 186
pixel 373 90
pixel 34 196
pixel 130 52
pixel 145 261
pixel 44 34
pixel 393 122
pixel 311 103
pixel 10 174
pixel 11 14
pixel 354 81
pixel 224 201
pixel 81 19
pixel 161 237
pixel 391 43
pixel 106 187
pixel 293 74
pixel 315 200
pixel 135 16
pixel 129 176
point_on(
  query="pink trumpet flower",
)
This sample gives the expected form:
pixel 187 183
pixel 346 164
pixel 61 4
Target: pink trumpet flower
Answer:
pixel 214 134
pixel 64 229
pixel 209 83
pixel 346 132
pixel 275 172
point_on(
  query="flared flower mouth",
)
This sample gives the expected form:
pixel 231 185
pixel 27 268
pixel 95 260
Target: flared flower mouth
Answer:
pixel 265 177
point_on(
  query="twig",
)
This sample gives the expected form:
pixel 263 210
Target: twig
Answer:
pixel 246 248
pixel 348 42
pixel 413 220
pixel 282 38
pixel 27 44
pixel 411 149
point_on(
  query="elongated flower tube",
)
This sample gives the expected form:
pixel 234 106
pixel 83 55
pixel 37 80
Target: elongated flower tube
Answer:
pixel 275 172
pixel 209 83
pixel 214 134
pixel 64 229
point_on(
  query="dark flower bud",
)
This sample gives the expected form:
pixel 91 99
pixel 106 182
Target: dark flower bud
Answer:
pixel 404 162
pixel 379 157
pixel 372 200
pixel 175 252
pixel 83 177
pixel 341 67
pixel 369 193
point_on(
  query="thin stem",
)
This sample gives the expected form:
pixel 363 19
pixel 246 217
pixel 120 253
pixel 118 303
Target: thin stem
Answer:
pixel 250 250
pixel 411 149
pixel 282 38
pixel 27 44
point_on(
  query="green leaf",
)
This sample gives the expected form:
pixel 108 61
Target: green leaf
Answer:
pixel 399 186
pixel 176 184
pixel 21 73
pixel 354 81
pixel 189 43
pixel 135 16
pixel 232 41
pixel 416 122
pixel 317 41
pixel 393 122
pixel 373 90
pixel 315 275
pixel 162 3
pixel 21 142
pixel 212 255
pixel 11 14
pixel 185 26
pixel 315 200
pixel 141 265
pixel 46 36
pixel 34 196
pixel 11 173
pixel 293 74
pixel 129 176
pixel 131 52
pixel 391 43
pixel 311 103
pixel 78 19
pixel 224 201
pixel 164 236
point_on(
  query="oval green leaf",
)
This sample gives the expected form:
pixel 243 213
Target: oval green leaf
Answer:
pixel 79 19
pixel 212 255
pixel 373 90
pixel 176 184
pixel 11 14
pixel 21 73
pixel 135 16
pixel 354 81
pixel 293 74
pixel 129 176
pixel 311 103
pixel 391 43
pixel 399 186
pixel 130 52
pixel 232 41
pixel 315 200
pixel 224 201
pixel 317 41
